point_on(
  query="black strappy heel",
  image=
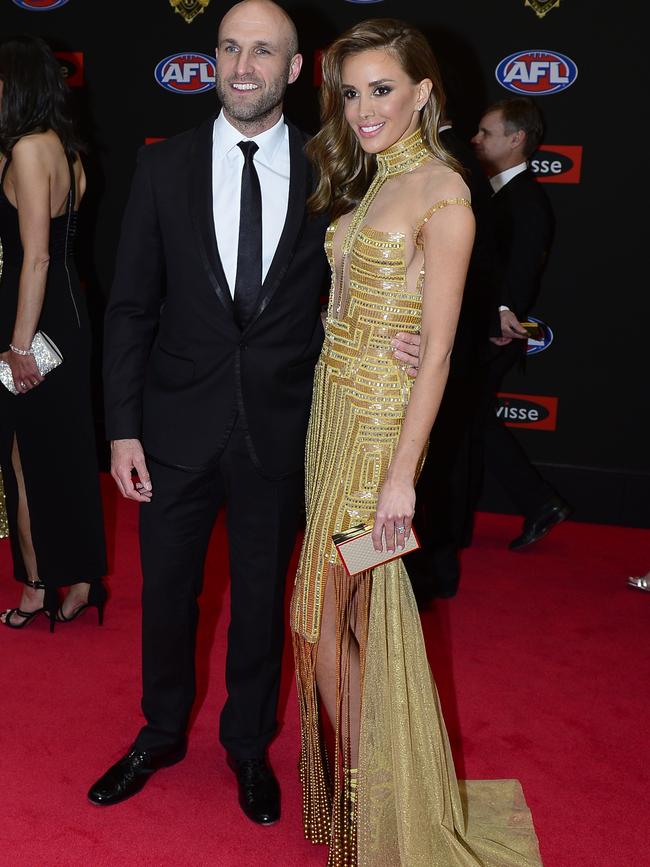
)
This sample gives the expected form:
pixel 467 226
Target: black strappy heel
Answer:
pixel 97 596
pixel 27 616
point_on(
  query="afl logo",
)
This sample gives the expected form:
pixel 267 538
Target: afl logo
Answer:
pixel 539 344
pixel 40 5
pixel 186 73
pixel 536 73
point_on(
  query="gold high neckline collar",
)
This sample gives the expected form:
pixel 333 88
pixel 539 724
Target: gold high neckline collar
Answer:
pixel 404 155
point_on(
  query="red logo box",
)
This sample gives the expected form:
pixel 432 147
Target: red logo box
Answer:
pixel 318 68
pixel 536 411
pixel 557 164
pixel 72 64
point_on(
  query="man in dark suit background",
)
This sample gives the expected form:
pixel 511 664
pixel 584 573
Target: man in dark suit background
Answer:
pixel 509 132
pixel 213 330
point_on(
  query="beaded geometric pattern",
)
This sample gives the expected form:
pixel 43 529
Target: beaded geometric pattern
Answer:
pixel 360 397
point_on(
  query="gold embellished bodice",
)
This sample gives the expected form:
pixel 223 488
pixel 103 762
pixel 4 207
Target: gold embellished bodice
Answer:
pixel 360 390
pixel 378 305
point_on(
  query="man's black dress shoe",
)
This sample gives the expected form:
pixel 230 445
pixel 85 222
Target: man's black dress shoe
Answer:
pixel 259 793
pixel 126 777
pixel 552 512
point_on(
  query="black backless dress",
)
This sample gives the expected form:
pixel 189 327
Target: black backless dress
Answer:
pixel 52 423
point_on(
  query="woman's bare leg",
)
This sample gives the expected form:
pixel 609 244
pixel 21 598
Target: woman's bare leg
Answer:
pixel 32 599
pixel 75 598
pixel 326 673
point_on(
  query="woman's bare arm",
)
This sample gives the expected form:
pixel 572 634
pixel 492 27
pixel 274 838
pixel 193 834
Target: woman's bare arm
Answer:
pixel 31 179
pixel 448 237
pixel 31 172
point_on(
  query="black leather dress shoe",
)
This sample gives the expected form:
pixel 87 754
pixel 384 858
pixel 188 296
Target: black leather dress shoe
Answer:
pixel 259 793
pixel 553 512
pixel 126 777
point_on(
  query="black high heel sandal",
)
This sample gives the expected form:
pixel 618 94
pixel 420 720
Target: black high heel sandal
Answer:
pixel 97 596
pixel 27 616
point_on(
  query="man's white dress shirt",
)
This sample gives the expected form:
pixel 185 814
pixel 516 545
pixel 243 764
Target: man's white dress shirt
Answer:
pixel 273 169
pixel 502 178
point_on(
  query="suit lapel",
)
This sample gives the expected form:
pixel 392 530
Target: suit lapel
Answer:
pixel 201 210
pixel 293 223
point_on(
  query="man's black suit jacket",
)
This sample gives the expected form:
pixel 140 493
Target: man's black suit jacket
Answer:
pixel 523 227
pixel 178 370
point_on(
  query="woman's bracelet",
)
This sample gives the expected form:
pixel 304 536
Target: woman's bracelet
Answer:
pixel 20 351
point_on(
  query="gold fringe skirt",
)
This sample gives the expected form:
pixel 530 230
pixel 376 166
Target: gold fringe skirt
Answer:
pixel 410 810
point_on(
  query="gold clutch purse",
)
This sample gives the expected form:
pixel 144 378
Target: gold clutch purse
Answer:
pixel 357 553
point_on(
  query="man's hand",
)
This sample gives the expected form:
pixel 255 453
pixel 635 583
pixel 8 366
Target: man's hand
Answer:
pixel 406 347
pixel 511 327
pixel 126 456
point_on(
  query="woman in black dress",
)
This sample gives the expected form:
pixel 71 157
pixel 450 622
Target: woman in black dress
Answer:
pixel 47 444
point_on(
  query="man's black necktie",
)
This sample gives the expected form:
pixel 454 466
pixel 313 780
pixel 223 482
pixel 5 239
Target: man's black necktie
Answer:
pixel 248 282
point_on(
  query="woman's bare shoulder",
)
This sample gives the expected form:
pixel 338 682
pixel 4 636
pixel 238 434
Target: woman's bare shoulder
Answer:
pixel 37 149
pixel 439 181
pixel 442 187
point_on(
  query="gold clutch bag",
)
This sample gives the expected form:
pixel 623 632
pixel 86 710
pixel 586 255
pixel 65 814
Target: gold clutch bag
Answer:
pixel 357 553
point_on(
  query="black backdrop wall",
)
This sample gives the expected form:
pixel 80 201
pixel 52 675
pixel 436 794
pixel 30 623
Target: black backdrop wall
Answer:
pixel 584 396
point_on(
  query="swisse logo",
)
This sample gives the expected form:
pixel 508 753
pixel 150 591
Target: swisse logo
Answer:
pixel 557 164
pixel 72 66
pixel 539 344
pixel 40 5
pixel 536 72
pixel 527 410
pixel 186 73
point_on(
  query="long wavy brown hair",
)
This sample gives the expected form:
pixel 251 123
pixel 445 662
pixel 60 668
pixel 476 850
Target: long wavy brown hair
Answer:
pixel 344 169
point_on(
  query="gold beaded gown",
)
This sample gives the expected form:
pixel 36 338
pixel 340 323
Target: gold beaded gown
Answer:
pixel 409 810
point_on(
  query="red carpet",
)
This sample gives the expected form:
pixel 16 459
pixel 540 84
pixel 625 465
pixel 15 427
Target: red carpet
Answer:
pixel 542 661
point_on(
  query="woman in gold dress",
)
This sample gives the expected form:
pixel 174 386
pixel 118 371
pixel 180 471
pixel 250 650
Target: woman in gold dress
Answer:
pixel 398 248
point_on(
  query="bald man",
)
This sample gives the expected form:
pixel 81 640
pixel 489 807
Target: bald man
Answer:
pixel 212 334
